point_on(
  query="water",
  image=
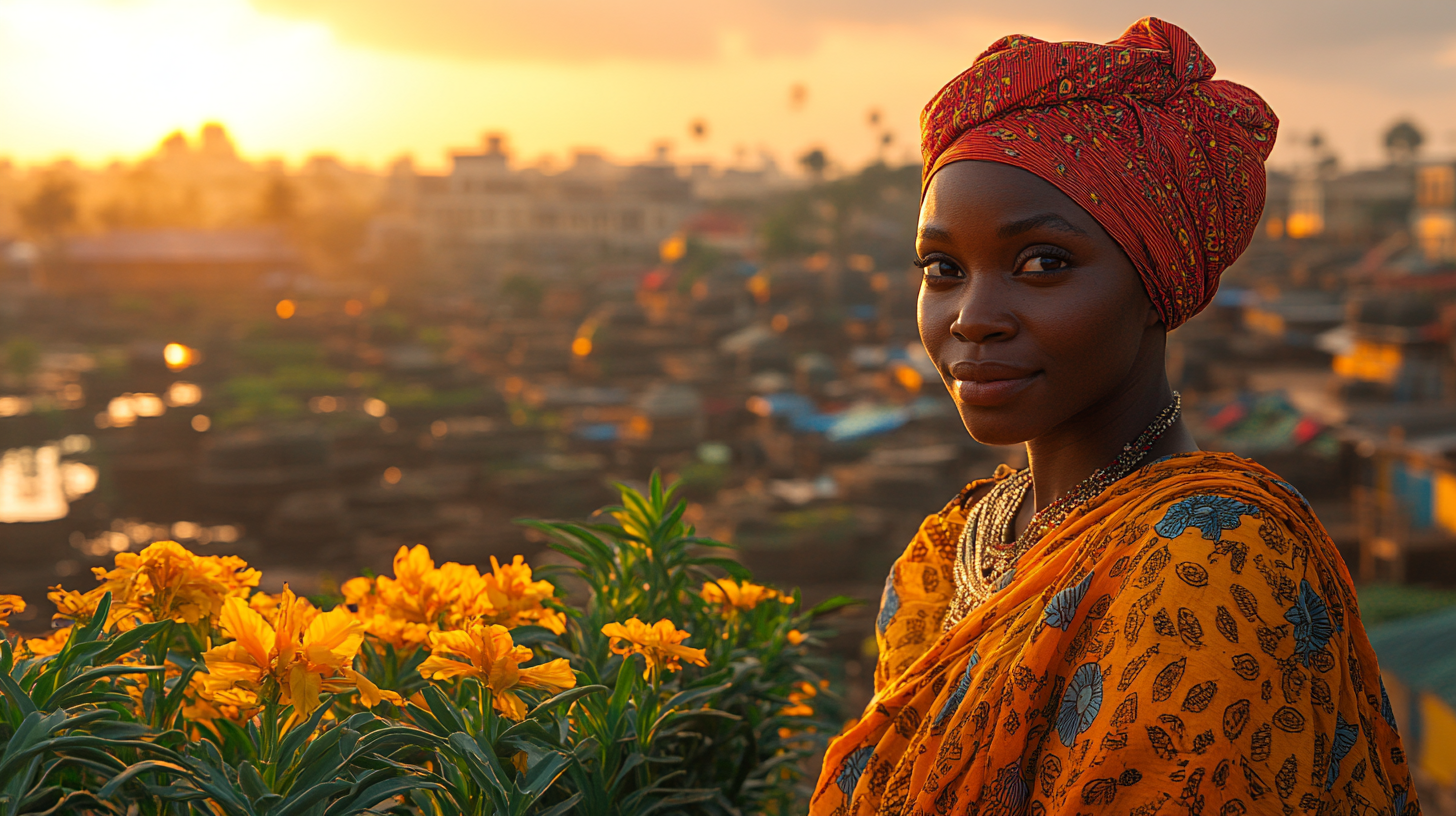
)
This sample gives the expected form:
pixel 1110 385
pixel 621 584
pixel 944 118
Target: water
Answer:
pixel 40 483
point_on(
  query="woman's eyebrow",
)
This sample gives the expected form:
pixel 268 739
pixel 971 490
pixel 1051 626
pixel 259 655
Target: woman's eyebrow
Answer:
pixel 1049 220
pixel 934 234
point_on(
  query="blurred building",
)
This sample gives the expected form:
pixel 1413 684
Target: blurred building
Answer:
pixel 172 260
pixel 486 213
pixel 1433 221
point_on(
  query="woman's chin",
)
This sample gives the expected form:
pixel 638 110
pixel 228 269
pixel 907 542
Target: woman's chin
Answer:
pixel 1000 429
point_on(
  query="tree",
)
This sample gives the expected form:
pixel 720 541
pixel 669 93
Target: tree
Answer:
pixel 1402 141
pixel 279 202
pixel 53 207
pixel 815 162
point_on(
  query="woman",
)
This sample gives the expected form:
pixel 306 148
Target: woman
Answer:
pixel 1131 625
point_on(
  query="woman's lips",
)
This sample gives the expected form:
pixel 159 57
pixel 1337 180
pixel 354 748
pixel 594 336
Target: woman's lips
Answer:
pixel 989 384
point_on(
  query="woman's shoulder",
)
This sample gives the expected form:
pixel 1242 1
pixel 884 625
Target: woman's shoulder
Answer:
pixel 935 541
pixel 1225 531
pixel 1210 491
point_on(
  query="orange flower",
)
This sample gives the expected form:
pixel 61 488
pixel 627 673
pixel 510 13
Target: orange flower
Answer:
pixel 658 643
pixel 796 637
pixel 512 599
pixel 9 605
pixel 798 705
pixel 76 606
pixel 50 644
pixel 495 660
pixel 163 582
pixel 300 660
pixel 422 598
pixel 732 596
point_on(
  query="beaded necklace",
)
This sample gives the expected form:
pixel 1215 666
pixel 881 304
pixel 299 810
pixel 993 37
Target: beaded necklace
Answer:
pixel 988 548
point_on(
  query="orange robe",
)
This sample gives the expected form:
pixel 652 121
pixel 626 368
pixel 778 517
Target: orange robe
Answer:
pixel 1187 643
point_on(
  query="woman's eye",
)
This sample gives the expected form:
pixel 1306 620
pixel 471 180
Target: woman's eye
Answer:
pixel 1043 263
pixel 941 269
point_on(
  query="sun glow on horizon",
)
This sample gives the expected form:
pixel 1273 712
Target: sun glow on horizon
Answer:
pixel 100 79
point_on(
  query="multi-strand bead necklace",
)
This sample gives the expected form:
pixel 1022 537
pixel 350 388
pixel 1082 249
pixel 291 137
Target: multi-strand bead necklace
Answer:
pixel 988 548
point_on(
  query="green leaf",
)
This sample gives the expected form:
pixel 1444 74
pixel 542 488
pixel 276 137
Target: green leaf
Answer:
pixel 566 698
pixel 532 635
pixel 484 767
pixel 252 782
pixel 145 766
pixel 129 641
pixel 376 793
pixel 562 808
pixel 299 734
pixel 301 803
pixel 16 695
pixel 830 605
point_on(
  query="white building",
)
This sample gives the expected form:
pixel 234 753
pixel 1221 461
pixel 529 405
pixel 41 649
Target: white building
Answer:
pixel 486 214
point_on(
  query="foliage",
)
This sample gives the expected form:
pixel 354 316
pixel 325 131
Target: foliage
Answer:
pixel 672 683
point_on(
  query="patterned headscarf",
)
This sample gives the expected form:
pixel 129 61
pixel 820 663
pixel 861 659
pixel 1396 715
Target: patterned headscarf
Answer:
pixel 1168 160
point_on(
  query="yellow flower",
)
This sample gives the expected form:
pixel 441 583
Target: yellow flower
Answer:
pixel 73 605
pixel 9 605
pixel 494 659
pixel 510 598
pixel 302 660
pixel 659 643
pixel 359 594
pixel 165 581
pixel 48 645
pixel 796 637
pixel 418 592
pixel 210 698
pixel 731 595
pixel 798 707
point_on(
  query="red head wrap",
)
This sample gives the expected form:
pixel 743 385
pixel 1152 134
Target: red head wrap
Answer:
pixel 1168 160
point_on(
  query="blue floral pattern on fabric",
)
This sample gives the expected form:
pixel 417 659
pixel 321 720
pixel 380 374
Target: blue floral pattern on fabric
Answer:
pixel 958 694
pixel 889 604
pixel 1062 608
pixel 1080 703
pixel 1009 791
pixel 1386 711
pixel 1006 579
pixel 1291 488
pixel 1345 736
pixel 1311 619
pixel 853 768
pixel 1210 514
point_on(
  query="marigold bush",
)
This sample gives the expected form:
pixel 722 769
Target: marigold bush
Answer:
pixel 176 687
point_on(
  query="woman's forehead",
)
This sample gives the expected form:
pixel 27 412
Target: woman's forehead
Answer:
pixel 987 196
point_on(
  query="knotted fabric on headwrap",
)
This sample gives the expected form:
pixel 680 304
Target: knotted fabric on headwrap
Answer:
pixel 1168 160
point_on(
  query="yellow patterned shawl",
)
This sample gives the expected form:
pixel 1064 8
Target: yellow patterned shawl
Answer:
pixel 1188 643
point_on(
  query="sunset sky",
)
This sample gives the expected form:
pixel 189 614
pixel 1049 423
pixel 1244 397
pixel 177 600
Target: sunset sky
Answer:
pixel 369 80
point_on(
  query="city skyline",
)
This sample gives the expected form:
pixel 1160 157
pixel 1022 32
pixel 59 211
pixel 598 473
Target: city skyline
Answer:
pixel 99 80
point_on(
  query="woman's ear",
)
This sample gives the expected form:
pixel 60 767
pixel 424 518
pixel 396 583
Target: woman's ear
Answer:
pixel 1151 317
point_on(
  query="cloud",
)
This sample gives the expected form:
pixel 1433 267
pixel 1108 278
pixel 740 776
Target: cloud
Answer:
pixel 587 30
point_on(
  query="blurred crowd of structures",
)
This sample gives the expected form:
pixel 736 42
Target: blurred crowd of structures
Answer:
pixel 312 366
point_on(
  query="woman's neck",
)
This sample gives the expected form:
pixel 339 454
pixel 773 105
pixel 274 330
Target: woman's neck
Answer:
pixel 1065 456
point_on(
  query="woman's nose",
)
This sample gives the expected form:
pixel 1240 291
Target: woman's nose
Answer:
pixel 983 315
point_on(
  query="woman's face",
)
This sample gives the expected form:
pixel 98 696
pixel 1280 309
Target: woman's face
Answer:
pixel 1029 309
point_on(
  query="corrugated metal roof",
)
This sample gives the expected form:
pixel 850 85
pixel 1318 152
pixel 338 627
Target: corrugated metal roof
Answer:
pixel 1421 651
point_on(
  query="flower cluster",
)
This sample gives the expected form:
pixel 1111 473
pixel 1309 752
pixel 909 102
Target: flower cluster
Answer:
pixel 732 596
pixel 487 653
pixel 165 581
pixel 658 643
pixel 422 599
pixel 300 656
pixel 9 605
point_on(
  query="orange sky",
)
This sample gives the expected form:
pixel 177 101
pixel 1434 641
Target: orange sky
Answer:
pixel 373 79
